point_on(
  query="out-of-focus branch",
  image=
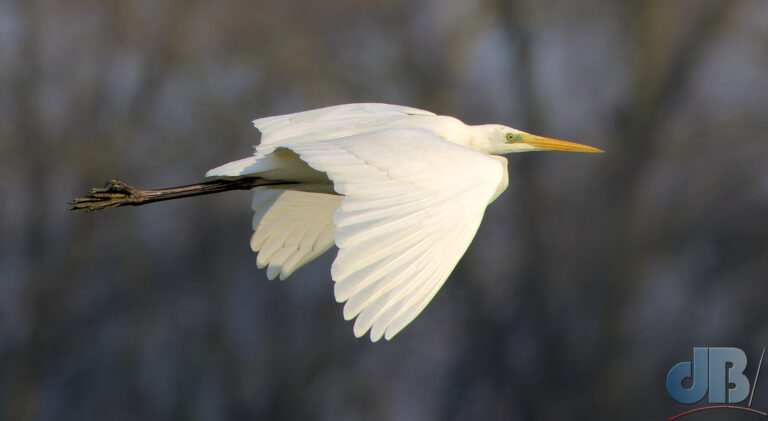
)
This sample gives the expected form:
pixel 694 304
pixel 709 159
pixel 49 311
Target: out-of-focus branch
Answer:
pixel 659 77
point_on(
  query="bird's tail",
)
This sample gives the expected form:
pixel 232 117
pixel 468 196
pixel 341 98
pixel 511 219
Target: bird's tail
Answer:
pixel 250 165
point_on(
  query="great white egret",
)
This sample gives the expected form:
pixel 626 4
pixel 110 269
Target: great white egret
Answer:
pixel 400 191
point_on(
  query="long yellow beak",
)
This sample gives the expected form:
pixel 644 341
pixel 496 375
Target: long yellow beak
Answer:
pixel 547 144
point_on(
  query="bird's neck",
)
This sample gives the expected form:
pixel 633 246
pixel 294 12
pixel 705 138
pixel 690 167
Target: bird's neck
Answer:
pixel 455 131
pixel 481 138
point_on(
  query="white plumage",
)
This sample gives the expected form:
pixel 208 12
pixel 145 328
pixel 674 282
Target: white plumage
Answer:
pixel 400 191
pixel 291 228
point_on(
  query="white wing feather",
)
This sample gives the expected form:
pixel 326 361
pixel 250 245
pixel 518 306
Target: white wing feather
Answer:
pixel 291 228
pixel 412 204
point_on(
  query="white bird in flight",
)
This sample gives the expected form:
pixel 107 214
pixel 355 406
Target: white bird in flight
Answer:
pixel 400 191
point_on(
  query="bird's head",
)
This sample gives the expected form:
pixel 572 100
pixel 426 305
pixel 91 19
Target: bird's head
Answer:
pixel 498 139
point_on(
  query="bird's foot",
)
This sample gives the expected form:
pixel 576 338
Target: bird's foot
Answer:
pixel 115 193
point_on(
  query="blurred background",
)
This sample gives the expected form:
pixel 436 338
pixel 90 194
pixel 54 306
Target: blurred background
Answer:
pixel 589 279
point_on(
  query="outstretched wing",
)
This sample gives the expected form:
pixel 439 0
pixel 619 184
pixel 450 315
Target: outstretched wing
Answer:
pixel 412 204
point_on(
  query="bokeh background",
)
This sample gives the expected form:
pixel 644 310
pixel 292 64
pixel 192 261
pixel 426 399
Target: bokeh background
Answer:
pixel 590 277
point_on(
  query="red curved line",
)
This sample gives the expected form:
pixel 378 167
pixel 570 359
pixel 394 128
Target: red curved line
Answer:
pixel 743 408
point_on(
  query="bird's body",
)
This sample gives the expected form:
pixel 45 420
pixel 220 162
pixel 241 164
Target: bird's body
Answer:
pixel 400 191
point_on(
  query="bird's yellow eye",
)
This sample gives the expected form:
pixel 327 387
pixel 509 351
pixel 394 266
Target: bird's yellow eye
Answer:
pixel 511 137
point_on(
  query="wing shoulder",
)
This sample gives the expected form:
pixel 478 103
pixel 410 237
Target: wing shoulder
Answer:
pixel 336 112
pixel 326 123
